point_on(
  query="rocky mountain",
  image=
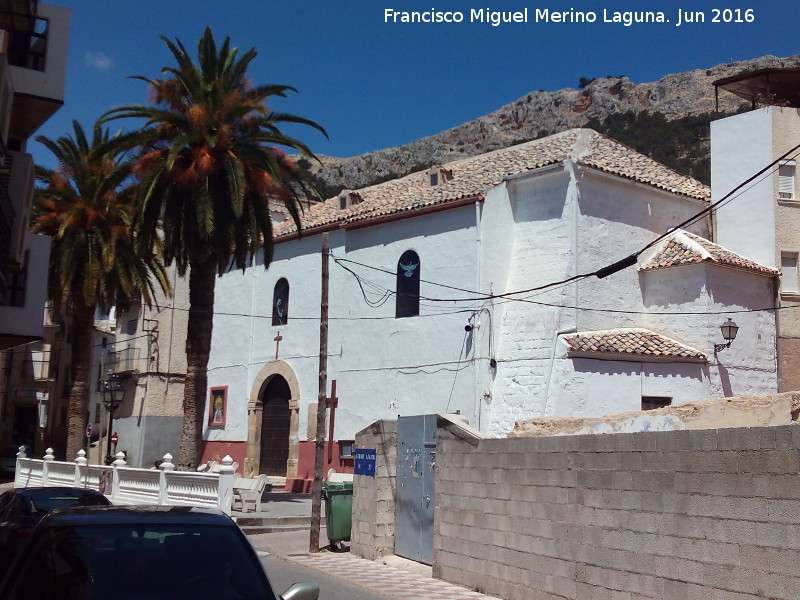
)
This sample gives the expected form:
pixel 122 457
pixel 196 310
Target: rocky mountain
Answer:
pixel 542 113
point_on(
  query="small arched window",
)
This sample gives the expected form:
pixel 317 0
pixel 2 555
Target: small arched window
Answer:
pixel 280 302
pixel 408 268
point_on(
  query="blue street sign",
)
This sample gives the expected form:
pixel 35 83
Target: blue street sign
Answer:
pixel 365 462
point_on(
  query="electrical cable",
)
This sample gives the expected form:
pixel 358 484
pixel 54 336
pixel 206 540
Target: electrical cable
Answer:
pixel 455 374
pixel 712 207
pixel 608 270
pixel 510 296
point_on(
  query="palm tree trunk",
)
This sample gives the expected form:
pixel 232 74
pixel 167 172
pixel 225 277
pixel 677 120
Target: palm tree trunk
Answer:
pixel 202 280
pixel 77 413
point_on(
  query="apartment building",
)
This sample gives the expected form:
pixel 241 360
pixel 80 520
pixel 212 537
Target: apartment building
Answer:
pixel 33 60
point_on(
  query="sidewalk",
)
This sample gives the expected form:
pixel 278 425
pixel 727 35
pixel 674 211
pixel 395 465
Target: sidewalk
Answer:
pixel 278 504
pixel 392 576
pixel 400 578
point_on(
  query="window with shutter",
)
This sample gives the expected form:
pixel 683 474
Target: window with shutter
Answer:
pixel 786 183
pixel 789 272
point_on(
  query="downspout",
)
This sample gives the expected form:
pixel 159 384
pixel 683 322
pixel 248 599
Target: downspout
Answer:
pixel 573 196
pixel 252 322
pixel 557 334
pixel 171 330
pixel 478 395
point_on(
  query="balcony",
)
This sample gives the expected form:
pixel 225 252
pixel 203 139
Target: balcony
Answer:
pixel 7 215
pixel 17 14
pixel 37 55
pixel 38 365
pixel 21 320
pixel 17 176
pixel 124 360
pixel 6 99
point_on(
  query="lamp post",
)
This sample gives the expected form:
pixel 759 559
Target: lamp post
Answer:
pixel 113 393
pixel 729 330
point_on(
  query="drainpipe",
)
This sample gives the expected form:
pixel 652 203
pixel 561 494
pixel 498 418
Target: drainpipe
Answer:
pixel 252 322
pixel 478 395
pixel 171 330
pixel 552 362
pixel 572 194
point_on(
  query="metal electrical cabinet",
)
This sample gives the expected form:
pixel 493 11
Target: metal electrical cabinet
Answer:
pixel 416 477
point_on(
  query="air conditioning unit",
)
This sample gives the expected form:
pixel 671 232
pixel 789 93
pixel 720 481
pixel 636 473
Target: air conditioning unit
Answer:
pixel 346 448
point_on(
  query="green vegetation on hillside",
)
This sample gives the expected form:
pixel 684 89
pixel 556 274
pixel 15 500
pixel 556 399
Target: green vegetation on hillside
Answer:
pixel 681 144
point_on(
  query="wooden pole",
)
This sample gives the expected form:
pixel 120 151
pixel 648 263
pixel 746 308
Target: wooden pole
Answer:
pixel 331 402
pixel 319 455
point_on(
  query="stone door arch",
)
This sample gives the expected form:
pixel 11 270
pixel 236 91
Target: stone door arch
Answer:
pixel 278 380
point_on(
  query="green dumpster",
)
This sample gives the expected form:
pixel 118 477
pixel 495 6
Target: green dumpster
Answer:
pixel 338 510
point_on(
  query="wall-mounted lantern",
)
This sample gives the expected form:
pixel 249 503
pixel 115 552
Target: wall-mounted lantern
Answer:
pixel 729 331
pixel 113 392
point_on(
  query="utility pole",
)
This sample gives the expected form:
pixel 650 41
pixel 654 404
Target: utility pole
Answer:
pixel 319 454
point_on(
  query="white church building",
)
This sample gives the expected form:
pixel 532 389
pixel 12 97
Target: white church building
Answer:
pixel 460 289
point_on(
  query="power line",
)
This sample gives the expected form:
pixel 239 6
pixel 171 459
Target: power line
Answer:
pixel 712 207
pixel 510 296
pixel 477 295
pixel 604 271
pixel 586 308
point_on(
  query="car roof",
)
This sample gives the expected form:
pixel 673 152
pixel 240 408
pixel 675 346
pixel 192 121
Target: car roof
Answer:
pixel 135 515
pixel 49 492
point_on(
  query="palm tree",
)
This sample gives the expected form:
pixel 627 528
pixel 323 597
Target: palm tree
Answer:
pixel 210 164
pixel 84 205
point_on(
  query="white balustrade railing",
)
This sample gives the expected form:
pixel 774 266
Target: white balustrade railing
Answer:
pixel 126 485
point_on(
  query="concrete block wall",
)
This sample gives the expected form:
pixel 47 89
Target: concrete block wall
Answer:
pixel 680 515
pixel 372 534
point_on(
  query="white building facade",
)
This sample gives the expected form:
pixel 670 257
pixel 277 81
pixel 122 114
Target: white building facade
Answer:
pixel 33 60
pixel 440 301
pixel 763 219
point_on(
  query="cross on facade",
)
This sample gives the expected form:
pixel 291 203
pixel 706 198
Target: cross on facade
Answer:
pixel 331 402
pixel 277 339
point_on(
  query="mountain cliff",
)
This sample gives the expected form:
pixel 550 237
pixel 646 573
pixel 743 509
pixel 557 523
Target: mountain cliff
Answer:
pixel 671 98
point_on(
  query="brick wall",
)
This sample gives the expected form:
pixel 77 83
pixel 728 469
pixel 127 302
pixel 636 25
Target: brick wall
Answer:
pixel 372 534
pixel 683 515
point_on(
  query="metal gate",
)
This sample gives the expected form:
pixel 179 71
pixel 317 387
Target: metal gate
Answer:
pixel 416 463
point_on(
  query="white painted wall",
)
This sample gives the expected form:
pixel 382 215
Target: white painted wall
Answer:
pixel 383 366
pixel 568 224
pixel 592 388
pixel 742 145
pixel 535 229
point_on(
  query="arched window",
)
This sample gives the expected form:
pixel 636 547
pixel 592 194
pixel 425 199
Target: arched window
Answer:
pixel 280 302
pixel 408 268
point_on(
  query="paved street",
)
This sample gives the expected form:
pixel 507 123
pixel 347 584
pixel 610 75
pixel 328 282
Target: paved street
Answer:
pixel 344 573
pixel 339 573
pixel 284 573
pixel 341 576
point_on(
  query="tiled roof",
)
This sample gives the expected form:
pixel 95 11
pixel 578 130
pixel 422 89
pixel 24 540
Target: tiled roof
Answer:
pixel 684 248
pixel 634 342
pixel 473 177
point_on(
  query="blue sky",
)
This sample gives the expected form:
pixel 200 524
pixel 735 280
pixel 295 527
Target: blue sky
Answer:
pixel 374 84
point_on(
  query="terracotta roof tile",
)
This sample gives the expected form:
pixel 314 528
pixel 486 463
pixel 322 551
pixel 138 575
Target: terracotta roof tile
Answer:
pixel 473 177
pixel 634 343
pixel 684 248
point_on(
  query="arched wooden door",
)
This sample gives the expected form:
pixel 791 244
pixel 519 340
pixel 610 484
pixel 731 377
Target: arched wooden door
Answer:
pixel 275 421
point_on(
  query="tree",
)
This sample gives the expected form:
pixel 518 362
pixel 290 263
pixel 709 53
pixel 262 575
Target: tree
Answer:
pixel 210 164
pixel 84 205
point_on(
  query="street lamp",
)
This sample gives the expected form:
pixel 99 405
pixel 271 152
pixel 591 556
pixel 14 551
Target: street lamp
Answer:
pixel 729 331
pixel 113 393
